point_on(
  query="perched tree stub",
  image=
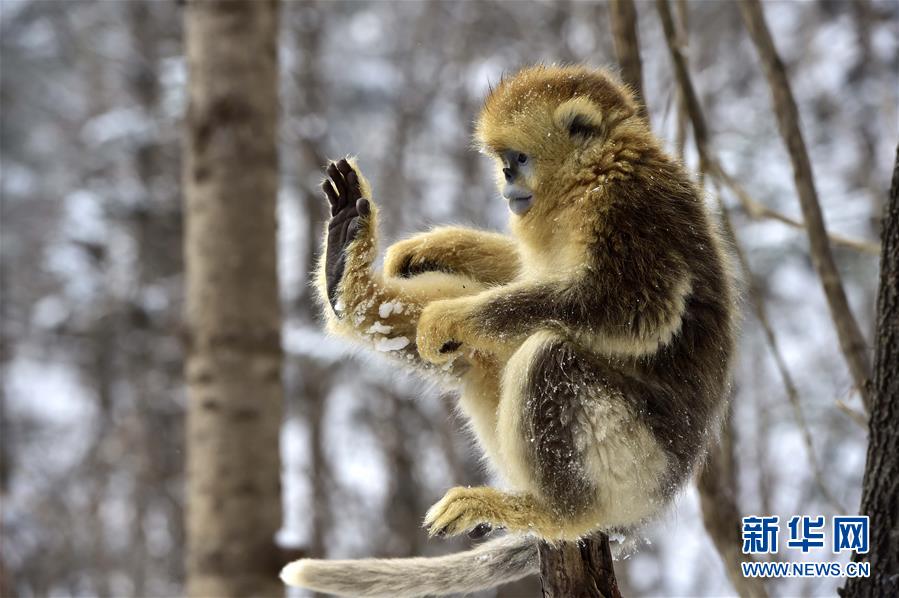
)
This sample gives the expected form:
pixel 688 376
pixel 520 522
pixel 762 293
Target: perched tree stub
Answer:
pixel 581 569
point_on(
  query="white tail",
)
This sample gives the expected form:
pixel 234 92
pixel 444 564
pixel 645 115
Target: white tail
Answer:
pixel 491 564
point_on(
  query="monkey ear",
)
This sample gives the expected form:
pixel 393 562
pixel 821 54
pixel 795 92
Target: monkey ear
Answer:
pixel 579 117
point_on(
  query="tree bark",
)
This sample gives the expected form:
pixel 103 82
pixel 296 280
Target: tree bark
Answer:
pixel 233 316
pixel 581 569
pixel 880 490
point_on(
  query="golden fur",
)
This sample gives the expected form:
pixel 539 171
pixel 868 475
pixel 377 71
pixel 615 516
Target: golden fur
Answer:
pixel 592 346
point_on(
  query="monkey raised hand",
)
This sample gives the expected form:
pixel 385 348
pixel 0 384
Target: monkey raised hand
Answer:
pixel 364 305
pixel 348 210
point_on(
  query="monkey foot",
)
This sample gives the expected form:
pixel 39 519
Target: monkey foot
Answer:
pixel 475 511
pixel 411 257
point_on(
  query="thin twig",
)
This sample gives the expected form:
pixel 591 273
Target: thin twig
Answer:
pixel 853 414
pixel 757 210
pixel 852 342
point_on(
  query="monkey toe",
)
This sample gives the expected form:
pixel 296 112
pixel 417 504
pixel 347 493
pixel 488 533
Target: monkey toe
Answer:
pixel 480 530
pixel 460 511
pixel 410 265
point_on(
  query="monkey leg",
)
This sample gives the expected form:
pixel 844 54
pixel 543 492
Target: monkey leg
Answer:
pixel 571 446
pixel 489 257
pixel 478 402
pixel 361 304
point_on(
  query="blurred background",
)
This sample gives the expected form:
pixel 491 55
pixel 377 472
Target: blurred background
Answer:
pixel 93 396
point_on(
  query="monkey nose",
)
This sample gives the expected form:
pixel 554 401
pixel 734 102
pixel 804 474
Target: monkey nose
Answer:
pixel 509 174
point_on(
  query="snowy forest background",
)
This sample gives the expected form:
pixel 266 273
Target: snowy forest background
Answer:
pixel 93 397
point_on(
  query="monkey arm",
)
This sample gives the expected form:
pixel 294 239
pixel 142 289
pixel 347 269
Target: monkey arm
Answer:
pixel 359 303
pixel 382 313
pixel 489 257
pixel 624 306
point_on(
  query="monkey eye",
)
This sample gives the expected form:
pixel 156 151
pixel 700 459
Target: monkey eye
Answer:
pixel 522 158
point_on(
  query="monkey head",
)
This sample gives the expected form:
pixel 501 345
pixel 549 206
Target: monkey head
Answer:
pixel 547 127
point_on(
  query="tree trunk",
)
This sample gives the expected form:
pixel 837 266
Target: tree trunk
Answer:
pixel 233 317
pixel 581 569
pixel 880 490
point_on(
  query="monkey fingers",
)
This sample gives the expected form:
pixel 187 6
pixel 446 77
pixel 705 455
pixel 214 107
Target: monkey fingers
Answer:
pixel 439 334
pixel 349 212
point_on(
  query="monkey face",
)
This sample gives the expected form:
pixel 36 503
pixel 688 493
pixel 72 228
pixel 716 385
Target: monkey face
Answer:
pixel 545 127
pixel 517 170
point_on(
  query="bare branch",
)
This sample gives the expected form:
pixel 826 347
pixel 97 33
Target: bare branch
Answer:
pixel 683 27
pixel 761 314
pixel 717 486
pixel 708 161
pixel 856 416
pixel 623 15
pixel 852 342
pixel 757 210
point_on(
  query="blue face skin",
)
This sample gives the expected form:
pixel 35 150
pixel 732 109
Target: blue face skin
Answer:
pixel 517 168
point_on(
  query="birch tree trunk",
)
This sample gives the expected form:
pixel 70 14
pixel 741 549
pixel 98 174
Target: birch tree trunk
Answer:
pixel 234 356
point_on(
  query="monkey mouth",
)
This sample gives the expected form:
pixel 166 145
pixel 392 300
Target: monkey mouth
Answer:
pixel 520 205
